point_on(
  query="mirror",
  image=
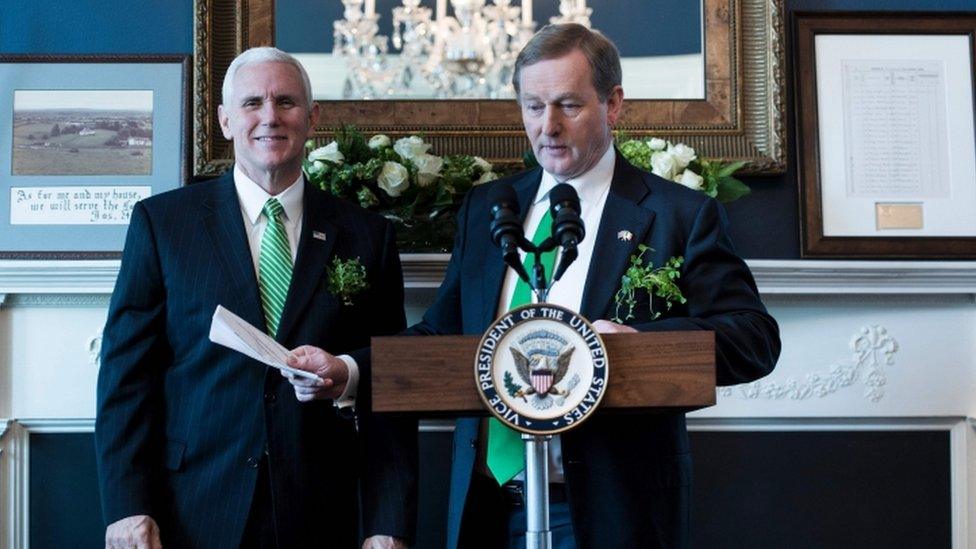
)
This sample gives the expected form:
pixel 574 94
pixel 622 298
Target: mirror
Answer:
pixel 660 43
pixel 741 116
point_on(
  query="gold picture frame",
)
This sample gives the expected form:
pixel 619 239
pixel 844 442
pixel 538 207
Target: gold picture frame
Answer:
pixel 741 118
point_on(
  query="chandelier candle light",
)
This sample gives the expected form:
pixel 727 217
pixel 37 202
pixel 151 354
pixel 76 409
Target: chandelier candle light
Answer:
pixel 469 55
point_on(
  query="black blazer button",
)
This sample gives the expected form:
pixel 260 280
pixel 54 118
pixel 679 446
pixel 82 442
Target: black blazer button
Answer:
pixel 270 397
pixel 252 462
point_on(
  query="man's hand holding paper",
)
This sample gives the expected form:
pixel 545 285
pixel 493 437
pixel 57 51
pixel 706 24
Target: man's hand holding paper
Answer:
pixel 332 370
pixel 235 333
pixel 314 373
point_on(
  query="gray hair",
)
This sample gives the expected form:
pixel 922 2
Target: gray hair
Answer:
pixel 555 41
pixel 258 55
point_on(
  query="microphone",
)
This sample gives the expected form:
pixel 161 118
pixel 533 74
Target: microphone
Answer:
pixel 567 227
pixel 506 227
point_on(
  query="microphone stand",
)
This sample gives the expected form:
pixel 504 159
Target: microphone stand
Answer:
pixel 537 531
pixel 540 290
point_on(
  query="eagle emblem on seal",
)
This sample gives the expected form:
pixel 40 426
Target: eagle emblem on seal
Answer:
pixel 542 360
pixel 540 372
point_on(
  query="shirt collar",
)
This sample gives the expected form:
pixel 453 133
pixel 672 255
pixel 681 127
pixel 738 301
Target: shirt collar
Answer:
pixel 589 185
pixel 253 197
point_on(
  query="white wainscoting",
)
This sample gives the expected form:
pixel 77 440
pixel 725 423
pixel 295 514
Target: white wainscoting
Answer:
pixel 866 346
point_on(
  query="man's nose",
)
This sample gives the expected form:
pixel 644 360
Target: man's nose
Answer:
pixel 551 122
pixel 270 114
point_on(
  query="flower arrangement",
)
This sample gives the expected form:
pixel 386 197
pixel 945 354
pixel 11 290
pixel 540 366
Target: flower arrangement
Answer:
pixel 681 164
pixel 400 179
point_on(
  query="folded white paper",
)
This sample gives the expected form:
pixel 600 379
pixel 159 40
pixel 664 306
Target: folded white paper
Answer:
pixel 234 332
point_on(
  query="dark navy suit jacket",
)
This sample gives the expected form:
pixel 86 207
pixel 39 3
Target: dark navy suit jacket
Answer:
pixel 627 476
pixel 182 422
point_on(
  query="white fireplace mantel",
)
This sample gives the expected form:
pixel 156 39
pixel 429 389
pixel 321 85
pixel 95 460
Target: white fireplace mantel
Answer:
pixel 785 277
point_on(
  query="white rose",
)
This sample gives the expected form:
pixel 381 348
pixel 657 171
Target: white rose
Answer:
pixel 329 152
pixel 393 178
pixel 410 147
pixel 318 166
pixel 691 180
pixel 663 164
pixel 428 168
pixel 486 177
pixel 379 141
pixel 683 154
pixel 482 163
pixel 657 144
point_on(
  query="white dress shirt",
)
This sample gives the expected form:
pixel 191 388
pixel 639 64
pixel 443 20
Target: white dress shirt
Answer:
pixel 252 199
pixel 592 187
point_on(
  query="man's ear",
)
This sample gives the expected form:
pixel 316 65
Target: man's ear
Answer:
pixel 224 121
pixel 615 103
pixel 314 116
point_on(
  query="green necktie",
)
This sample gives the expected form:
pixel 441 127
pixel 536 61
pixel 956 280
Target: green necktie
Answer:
pixel 274 265
pixel 506 455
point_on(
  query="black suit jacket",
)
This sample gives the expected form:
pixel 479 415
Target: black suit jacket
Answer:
pixel 182 422
pixel 628 476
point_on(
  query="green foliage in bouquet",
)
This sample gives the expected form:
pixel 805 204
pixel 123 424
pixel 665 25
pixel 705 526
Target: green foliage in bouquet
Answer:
pixel 346 279
pixel 681 164
pixel 400 179
pixel 661 282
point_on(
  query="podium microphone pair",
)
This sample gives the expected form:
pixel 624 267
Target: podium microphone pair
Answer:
pixel 507 232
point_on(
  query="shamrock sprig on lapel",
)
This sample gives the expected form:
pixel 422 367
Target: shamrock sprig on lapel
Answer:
pixel 347 278
pixel 660 282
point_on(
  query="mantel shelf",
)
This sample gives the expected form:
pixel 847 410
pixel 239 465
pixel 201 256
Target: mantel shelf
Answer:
pixel 783 277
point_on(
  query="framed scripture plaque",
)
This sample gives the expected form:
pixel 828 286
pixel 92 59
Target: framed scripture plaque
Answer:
pixel 86 138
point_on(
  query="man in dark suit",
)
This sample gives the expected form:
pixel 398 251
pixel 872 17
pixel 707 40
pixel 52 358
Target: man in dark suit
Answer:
pixel 199 446
pixel 619 480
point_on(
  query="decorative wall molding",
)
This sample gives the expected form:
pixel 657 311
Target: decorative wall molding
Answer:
pixel 796 277
pixel 846 424
pixel 864 277
pixel 872 348
pixel 14 482
pixel 58 277
pixel 94 348
pixel 58 301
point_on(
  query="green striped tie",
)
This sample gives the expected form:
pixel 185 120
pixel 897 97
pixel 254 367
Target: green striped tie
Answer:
pixel 274 265
pixel 505 455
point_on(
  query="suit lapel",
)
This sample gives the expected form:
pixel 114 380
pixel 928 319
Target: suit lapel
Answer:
pixel 314 250
pixel 225 227
pixel 611 254
pixel 494 268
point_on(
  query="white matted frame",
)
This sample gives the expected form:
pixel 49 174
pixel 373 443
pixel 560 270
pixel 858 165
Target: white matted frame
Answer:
pixel 885 134
pixel 75 203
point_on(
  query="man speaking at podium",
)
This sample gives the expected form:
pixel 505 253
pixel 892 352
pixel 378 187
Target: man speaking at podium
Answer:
pixel 620 480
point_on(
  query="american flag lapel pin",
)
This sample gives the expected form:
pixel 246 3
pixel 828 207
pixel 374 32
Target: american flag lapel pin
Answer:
pixel 318 235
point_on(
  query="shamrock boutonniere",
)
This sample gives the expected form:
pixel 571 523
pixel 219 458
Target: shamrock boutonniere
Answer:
pixel 347 278
pixel 660 281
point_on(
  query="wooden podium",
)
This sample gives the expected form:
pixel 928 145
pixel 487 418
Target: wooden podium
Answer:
pixel 434 375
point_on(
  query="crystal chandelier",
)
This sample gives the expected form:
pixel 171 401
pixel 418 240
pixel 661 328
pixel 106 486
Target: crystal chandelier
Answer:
pixel 470 55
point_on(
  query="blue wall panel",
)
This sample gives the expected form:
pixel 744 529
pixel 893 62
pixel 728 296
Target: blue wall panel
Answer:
pixel 96 26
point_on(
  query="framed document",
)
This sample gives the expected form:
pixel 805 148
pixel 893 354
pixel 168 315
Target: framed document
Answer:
pixel 885 134
pixel 86 138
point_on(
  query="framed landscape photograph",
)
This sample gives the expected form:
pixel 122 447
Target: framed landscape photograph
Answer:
pixel 88 137
pixel 885 134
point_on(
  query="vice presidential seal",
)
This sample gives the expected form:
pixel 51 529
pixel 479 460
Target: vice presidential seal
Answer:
pixel 541 369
